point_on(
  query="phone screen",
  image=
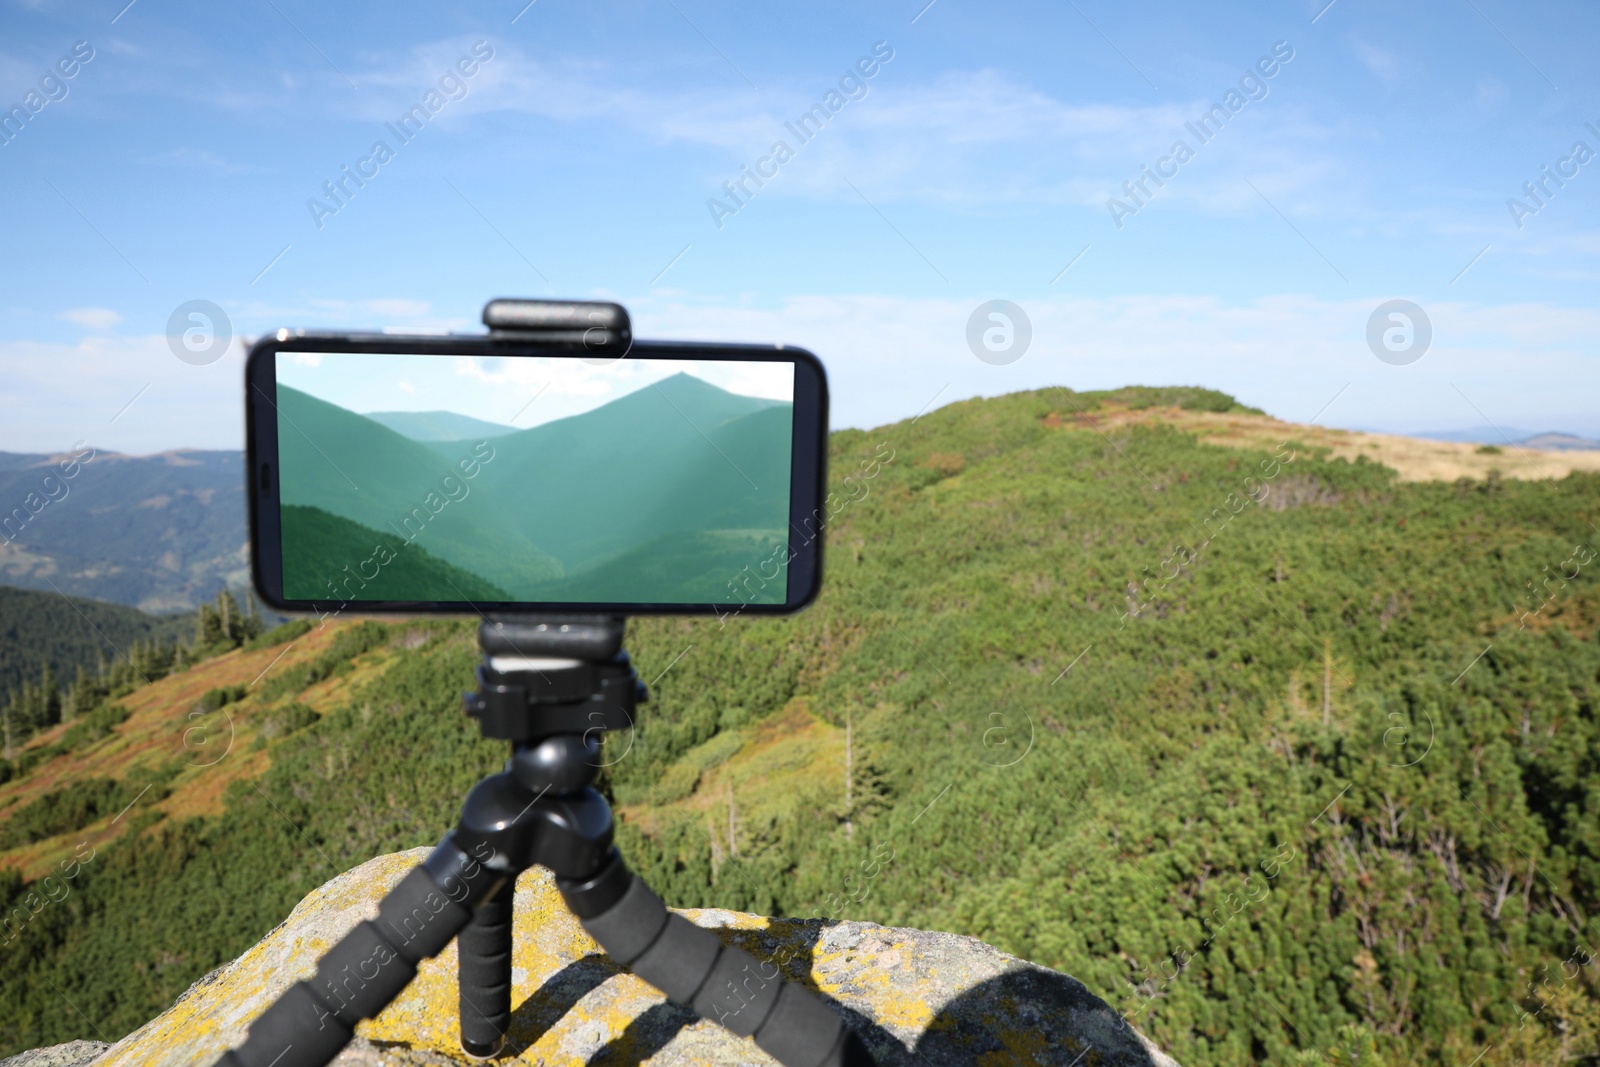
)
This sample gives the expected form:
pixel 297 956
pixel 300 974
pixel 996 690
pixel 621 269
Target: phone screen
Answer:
pixel 480 479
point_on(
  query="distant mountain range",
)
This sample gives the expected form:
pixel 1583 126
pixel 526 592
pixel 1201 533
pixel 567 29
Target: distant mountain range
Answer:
pixel 661 495
pixel 162 533
pixel 1489 435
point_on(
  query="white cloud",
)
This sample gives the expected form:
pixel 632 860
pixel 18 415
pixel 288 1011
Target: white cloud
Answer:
pixel 91 318
pixel 52 394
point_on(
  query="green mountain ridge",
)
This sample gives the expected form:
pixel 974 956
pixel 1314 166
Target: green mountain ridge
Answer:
pixel 338 559
pixel 38 628
pixel 438 426
pixel 385 481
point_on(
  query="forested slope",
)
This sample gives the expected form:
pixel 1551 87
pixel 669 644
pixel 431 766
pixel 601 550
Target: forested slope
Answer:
pixel 1288 759
pixel 45 628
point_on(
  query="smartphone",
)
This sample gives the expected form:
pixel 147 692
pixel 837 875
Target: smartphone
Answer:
pixel 473 474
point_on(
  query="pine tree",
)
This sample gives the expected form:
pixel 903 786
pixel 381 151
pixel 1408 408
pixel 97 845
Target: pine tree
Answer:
pixel 252 625
pixel 85 695
pixel 49 698
pixel 208 629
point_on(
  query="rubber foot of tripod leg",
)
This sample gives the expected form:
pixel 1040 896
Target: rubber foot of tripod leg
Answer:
pixel 483 1052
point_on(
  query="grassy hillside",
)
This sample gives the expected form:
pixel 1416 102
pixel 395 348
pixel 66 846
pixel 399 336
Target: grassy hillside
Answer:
pixel 1289 759
pixel 38 628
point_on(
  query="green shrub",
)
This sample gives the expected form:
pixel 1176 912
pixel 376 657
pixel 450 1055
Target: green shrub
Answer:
pixel 288 719
pixel 64 810
pixel 213 699
pixel 93 726
pixel 280 634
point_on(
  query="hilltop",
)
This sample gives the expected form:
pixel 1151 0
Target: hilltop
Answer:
pixel 1414 459
pixel 1286 756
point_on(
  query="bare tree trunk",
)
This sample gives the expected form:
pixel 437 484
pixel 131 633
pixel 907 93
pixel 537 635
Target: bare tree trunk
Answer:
pixel 733 818
pixel 1327 680
pixel 716 847
pixel 849 776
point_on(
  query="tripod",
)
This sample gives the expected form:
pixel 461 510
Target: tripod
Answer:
pixel 550 686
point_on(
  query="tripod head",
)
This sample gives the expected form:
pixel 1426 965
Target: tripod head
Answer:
pixel 546 675
pixel 551 685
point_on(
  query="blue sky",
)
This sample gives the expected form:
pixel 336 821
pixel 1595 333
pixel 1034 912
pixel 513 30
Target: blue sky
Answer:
pixel 182 160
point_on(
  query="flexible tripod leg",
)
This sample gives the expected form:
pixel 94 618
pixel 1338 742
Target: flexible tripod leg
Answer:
pixel 313 1019
pixel 719 982
pixel 485 972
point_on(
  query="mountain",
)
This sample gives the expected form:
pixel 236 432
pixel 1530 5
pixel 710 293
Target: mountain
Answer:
pixel 398 571
pixel 167 532
pixel 1489 435
pixel 161 533
pixel 69 632
pixel 438 425
pixel 388 482
pixel 1559 442
pixel 1289 759
pixel 1482 435
pixel 678 457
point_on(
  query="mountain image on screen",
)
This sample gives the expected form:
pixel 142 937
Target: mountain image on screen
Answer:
pixel 665 495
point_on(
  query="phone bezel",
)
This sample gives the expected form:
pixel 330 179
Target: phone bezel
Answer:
pixel 807 476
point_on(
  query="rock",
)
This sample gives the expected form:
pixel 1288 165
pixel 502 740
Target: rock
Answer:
pixel 915 997
pixel 72 1054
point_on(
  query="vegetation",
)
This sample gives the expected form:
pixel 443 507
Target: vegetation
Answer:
pixel 33 706
pixel 64 810
pixel 1290 761
pixel 1142 397
pixel 279 635
pixel 350 643
pixel 40 629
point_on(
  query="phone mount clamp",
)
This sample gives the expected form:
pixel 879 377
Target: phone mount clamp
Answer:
pixel 551 686
pixel 603 329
